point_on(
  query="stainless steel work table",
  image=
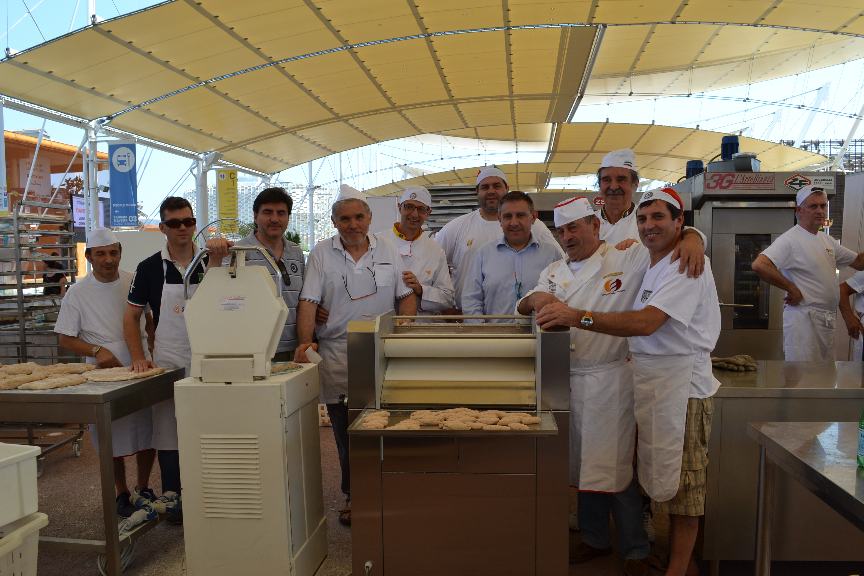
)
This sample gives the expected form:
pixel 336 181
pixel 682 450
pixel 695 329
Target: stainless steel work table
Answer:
pixel 821 456
pixel 805 528
pixel 99 404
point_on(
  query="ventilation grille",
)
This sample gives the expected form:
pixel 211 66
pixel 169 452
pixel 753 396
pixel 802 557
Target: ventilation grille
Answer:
pixel 231 476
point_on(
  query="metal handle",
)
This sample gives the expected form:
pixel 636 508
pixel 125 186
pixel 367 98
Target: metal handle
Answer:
pixel 737 305
pixel 233 250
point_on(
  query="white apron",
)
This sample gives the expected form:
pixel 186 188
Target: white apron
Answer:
pixel 602 436
pixel 808 333
pixel 333 369
pixel 661 387
pixel 131 433
pixel 171 350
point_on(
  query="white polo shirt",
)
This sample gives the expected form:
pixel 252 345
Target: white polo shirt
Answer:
pixel 693 325
pixel 352 290
pixel 811 262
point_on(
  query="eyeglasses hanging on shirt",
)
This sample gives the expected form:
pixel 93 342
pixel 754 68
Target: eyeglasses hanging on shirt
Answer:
pixel 359 283
pixel 286 278
pixel 517 286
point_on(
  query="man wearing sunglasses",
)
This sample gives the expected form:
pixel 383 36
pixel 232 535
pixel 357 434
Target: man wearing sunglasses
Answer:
pixel 354 275
pixel 158 282
pixel 272 210
pixel 426 271
pixel 501 272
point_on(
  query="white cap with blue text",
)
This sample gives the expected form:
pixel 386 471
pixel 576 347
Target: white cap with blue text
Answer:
pixel 572 209
pixel 624 158
pixel 347 192
pixel 805 193
pixel 488 171
pixel 98 237
pixel 418 193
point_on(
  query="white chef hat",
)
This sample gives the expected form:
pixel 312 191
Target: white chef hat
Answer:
pixel 572 209
pixel 418 193
pixel 666 194
pixel 488 171
pixel 805 193
pixel 99 237
pixel 624 158
pixel 347 192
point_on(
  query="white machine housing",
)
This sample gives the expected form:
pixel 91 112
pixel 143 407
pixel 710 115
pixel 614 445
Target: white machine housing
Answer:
pixel 250 465
pixel 234 322
pixel 249 444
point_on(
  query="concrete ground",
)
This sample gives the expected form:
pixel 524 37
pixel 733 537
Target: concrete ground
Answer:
pixel 69 494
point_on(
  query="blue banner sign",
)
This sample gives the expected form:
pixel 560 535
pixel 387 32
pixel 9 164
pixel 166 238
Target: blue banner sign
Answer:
pixel 124 184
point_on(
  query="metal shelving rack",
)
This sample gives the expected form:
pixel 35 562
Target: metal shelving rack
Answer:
pixel 27 315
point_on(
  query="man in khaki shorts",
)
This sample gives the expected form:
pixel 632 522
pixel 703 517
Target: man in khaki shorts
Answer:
pixel 673 327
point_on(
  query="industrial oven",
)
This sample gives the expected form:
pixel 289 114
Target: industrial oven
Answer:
pixel 458 502
pixel 741 214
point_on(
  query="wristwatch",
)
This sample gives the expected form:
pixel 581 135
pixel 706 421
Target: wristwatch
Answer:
pixel 95 351
pixel 587 320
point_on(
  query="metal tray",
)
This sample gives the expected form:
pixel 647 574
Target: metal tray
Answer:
pixel 546 427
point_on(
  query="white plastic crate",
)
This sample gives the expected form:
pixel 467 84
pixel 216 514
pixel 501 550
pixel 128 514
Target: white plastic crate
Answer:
pixel 19 497
pixel 19 545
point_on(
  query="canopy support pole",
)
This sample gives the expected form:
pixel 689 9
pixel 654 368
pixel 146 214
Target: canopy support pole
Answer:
pixel 4 191
pixel 838 159
pixel 204 163
pixel 91 185
pixel 310 191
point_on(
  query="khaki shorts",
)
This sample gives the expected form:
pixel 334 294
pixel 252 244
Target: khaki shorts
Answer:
pixel 690 498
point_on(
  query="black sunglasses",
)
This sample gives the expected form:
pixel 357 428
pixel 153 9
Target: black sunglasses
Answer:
pixel 177 222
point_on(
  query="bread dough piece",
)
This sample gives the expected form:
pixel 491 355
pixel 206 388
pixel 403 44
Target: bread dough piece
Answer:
pixel 373 424
pixel 517 426
pixel 69 368
pixel 61 381
pixel 454 425
pixel 15 381
pixel 279 367
pixel 488 413
pixel 406 424
pixel 476 425
pixel 420 414
pixel 489 420
pixel 120 374
pixel 378 414
pixel 25 368
pixel 495 427
pixel 531 420
pixel 429 421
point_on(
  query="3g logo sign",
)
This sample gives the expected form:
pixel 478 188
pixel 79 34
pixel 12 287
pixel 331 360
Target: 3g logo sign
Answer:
pixel 719 181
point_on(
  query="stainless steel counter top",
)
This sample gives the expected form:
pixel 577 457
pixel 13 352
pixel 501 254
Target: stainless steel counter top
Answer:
pixel 777 378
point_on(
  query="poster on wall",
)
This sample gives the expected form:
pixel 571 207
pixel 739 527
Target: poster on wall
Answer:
pixel 226 192
pixel 40 180
pixel 124 184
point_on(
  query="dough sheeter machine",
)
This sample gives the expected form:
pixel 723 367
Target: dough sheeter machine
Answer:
pixel 250 459
pixel 472 502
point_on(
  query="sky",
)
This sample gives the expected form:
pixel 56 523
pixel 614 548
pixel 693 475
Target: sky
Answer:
pixel 816 105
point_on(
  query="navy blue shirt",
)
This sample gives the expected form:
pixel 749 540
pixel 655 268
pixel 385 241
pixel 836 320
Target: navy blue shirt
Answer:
pixel 149 276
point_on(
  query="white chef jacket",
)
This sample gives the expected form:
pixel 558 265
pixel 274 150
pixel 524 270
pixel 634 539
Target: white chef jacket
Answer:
pixel 811 262
pixel 349 291
pixel 693 325
pixel 425 258
pixel 470 231
pixel 622 230
pixel 607 281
